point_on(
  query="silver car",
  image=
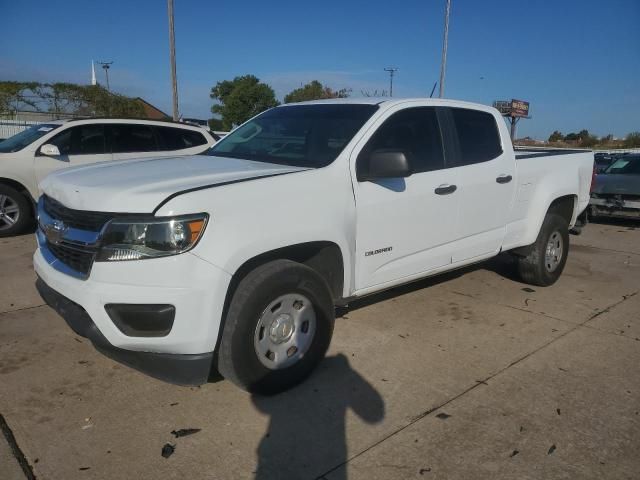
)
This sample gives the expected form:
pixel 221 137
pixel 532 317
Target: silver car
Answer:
pixel 617 191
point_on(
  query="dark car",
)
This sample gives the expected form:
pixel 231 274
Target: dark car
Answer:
pixel 603 160
pixel 617 190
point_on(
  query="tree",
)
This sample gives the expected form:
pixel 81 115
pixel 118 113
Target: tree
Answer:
pixel 632 140
pixel 241 98
pixel 314 90
pixel 66 99
pixel 215 124
pixel 572 137
pixel 556 136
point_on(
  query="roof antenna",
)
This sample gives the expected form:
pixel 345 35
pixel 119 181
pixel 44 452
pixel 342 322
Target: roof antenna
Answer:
pixel 433 89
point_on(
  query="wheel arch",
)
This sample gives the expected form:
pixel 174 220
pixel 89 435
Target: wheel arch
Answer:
pixel 564 205
pixel 10 182
pixel 324 257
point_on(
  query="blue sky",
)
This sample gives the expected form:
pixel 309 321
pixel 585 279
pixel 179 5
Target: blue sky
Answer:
pixel 576 61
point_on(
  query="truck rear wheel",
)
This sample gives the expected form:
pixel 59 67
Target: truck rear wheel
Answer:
pixel 15 211
pixel 546 258
pixel 278 327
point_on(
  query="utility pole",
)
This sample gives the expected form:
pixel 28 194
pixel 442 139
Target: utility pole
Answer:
pixel 392 71
pixel 106 66
pixel 172 58
pixel 445 41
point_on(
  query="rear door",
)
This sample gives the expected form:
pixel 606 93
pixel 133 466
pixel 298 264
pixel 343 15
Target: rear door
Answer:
pixel 78 145
pixel 132 140
pixel 485 175
pixel 404 226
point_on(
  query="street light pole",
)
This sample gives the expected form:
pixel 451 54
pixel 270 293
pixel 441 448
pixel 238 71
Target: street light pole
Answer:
pixel 106 66
pixel 172 58
pixel 392 71
pixel 445 41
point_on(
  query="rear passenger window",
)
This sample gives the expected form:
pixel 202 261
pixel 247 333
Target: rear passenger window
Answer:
pixel 415 132
pixel 177 138
pixel 132 138
pixel 478 136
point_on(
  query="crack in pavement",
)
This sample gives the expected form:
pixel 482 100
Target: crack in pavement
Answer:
pixel 15 449
pixel 478 383
pixel 607 249
pixel 22 309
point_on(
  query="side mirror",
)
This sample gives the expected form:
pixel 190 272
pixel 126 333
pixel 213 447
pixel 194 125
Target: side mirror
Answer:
pixel 388 164
pixel 50 150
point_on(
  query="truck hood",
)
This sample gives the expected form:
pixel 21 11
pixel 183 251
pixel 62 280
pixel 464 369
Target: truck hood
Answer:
pixel 139 186
pixel 617 184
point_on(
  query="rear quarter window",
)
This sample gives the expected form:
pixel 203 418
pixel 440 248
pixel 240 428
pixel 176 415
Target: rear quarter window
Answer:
pixel 178 138
pixel 477 134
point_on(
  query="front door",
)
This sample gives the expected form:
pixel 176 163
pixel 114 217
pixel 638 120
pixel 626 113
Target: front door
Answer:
pixel 405 226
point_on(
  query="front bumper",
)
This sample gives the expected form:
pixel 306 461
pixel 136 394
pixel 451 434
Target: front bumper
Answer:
pixel 194 287
pixel 172 368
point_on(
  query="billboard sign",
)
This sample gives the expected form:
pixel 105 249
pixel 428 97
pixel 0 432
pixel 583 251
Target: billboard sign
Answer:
pixel 519 108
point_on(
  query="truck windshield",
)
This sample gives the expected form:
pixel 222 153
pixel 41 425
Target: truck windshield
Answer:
pixel 26 137
pixel 299 135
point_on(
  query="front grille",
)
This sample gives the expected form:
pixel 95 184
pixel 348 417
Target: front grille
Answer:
pixel 79 259
pixel 80 219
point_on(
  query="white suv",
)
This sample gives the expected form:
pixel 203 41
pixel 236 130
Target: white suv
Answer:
pixel 26 158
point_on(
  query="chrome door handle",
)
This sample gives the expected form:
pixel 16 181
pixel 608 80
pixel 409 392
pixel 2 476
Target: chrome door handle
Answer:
pixel 504 178
pixel 445 189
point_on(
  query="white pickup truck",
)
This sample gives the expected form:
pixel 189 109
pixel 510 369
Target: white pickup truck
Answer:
pixel 235 259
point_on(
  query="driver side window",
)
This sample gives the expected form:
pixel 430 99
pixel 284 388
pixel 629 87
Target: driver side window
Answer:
pixel 62 141
pixel 414 132
pixel 81 140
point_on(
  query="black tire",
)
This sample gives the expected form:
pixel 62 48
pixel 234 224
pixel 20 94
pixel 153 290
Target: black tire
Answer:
pixel 238 358
pixel 12 198
pixel 534 268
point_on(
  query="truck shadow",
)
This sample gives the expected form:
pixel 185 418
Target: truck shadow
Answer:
pixel 306 436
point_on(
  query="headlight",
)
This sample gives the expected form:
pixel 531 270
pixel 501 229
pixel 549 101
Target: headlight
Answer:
pixel 137 239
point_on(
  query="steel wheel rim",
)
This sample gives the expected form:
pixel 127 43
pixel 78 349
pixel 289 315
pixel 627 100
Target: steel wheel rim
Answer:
pixel 9 212
pixel 553 251
pixel 285 331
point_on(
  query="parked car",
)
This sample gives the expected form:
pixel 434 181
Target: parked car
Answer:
pixel 602 161
pixel 617 190
pixel 238 258
pixel 26 158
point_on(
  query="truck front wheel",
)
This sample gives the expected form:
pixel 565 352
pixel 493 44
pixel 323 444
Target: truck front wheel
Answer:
pixel 278 327
pixel 547 257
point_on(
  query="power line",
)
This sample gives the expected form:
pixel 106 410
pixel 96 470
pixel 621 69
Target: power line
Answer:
pixel 392 71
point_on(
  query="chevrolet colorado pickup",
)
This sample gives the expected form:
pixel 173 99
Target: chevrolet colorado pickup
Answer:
pixel 236 259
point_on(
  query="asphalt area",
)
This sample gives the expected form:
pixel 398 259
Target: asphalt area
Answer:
pixel 467 375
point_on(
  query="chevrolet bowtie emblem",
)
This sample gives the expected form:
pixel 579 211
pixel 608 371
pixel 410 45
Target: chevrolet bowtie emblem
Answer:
pixel 55 231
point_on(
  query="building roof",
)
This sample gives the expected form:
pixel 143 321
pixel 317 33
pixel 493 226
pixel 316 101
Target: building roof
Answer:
pixel 152 112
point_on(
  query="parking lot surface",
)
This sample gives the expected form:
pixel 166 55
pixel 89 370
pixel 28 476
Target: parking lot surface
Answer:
pixel 467 375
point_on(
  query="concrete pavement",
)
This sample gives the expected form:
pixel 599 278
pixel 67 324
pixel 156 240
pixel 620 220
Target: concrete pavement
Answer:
pixel 467 375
